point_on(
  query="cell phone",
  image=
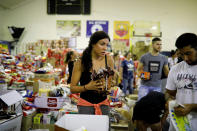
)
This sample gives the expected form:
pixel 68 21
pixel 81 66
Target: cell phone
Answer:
pixel 179 104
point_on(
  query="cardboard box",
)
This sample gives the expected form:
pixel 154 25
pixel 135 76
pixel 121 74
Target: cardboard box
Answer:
pixel 13 123
pixel 49 102
pixel 57 128
pixel 8 95
pixel 3 86
pixel 27 122
pixel 43 126
pixel 71 122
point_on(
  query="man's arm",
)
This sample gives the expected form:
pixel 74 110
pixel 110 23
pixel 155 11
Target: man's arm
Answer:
pixel 182 111
pixel 140 69
pixel 179 111
pixel 166 70
pixel 170 94
pixel 193 107
pixel 121 73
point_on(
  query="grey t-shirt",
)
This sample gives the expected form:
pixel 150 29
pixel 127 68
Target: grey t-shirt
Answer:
pixel 154 65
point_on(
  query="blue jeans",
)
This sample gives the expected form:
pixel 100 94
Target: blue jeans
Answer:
pixel 127 84
pixel 144 90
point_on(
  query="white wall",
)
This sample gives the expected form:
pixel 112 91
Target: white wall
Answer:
pixel 176 17
pixel 1 24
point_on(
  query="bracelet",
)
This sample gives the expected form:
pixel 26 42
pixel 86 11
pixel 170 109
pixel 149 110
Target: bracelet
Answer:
pixel 85 87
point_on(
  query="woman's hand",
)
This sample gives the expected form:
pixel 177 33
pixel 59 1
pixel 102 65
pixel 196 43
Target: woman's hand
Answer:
pixel 96 85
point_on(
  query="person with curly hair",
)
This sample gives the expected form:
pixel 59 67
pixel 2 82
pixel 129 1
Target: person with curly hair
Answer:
pixel 150 112
pixel 93 92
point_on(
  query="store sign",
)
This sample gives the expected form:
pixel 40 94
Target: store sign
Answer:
pixel 96 25
pixel 49 102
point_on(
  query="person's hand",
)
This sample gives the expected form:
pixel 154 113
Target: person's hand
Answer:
pixel 96 85
pixel 168 99
pixel 183 111
pixel 164 117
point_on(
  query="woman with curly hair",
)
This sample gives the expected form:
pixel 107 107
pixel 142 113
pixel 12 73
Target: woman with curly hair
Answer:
pixel 93 88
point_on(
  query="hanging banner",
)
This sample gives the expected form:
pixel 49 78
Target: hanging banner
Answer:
pixel 3 46
pixel 131 36
pixel 68 28
pixel 121 29
pixel 96 25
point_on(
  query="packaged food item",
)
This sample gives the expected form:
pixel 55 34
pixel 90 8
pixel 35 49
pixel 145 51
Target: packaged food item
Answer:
pixel 145 75
pixel 38 118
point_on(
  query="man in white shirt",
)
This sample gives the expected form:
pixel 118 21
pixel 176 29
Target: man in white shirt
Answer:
pixel 182 79
pixel 173 59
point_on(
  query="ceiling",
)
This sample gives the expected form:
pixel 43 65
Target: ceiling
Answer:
pixel 10 4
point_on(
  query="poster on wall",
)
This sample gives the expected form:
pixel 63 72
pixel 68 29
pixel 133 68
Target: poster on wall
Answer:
pixel 68 28
pixel 121 29
pixel 4 47
pixel 96 25
pixel 147 28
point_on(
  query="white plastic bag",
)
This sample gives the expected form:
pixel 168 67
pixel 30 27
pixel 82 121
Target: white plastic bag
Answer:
pixel 181 123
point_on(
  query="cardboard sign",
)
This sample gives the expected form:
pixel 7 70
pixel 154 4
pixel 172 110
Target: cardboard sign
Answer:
pixel 49 102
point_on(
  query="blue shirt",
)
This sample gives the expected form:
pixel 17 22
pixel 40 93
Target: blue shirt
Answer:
pixel 128 67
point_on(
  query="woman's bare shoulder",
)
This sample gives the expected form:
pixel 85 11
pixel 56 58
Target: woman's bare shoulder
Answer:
pixel 110 59
pixel 79 65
